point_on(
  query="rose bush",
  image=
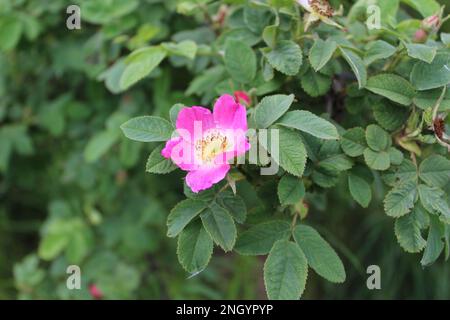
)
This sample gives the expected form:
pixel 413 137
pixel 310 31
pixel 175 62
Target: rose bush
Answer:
pixel 312 132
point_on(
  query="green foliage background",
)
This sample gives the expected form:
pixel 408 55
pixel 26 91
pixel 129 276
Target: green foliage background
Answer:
pixel 73 188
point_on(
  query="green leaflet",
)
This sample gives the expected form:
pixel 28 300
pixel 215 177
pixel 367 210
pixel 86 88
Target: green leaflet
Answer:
pixel 285 271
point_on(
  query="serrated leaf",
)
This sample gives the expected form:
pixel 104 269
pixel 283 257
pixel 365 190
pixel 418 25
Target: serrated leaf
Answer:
pixel 433 200
pixel 259 239
pixel 360 190
pixel 315 84
pixel 290 190
pixel 285 271
pixel 234 204
pixel 182 214
pixel 377 138
pixel 393 87
pixel 185 48
pixel 400 200
pixel 353 142
pixel 425 76
pixel 220 226
pixel 240 61
pixel 156 163
pixel 194 248
pixel 435 245
pixel 428 99
pixel 321 52
pixel 147 129
pixel 310 123
pixel 292 152
pixel 407 231
pixel 388 116
pixel 377 160
pixel 357 65
pixel 286 57
pixel 421 51
pixel 378 50
pixel 271 108
pixel 435 171
pixel 140 63
pixel 320 255
pixel 425 7
pixel 396 156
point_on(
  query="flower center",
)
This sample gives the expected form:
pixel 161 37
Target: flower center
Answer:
pixel 321 7
pixel 210 146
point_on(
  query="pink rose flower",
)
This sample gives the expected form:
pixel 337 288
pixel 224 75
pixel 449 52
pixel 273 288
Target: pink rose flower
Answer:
pixel 207 142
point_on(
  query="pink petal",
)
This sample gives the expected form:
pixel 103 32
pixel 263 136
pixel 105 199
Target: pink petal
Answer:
pixel 188 118
pixel 228 114
pixel 202 179
pixel 170 144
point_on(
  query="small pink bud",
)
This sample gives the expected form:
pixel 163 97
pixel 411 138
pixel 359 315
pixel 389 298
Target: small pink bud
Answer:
pixel 431 23
pixel 242 96
pixel 95 292
pixel 420 36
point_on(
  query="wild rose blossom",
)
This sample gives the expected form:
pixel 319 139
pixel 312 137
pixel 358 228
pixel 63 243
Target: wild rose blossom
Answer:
pixel 207 142
pixel 318 10
pixel 95 292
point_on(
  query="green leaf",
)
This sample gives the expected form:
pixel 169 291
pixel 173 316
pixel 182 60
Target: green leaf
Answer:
pixel 259 239
pixel 220 226
pixel 140 63
pixel 393 87
pixel 377 138
pixel 425 76
pixel 270 35
pixel 147 129
pixel 321 52
pixel 433 200
pixel 286 57
pixel 234 204
pixel 195 247
pixel 435 171
pixel 310 123
pixel 99 144
pixel 445 38
pixel 186 48
pixel 435 245
pixel 396 156
pixel 182 214
pixel 285 271
pixel 377 160
pixel 353 142
pixel 400 200
pixel 173 112
pixel 315 84
pixel 320 255
pixel 156 163
pixel 240 61
pixel 357 65
pixel 421 52
pixel 10 31
pixel 360 190
pixel 271 108
pixel 389 116
pixel 407 231
pixel 336 163
pixel 292 153
pixel 52 244
pixel 378 50
pixel 290 190
pixel 425 7
pixel 428 99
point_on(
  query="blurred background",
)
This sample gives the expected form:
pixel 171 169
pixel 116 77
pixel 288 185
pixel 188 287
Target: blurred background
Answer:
pixel 73 190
